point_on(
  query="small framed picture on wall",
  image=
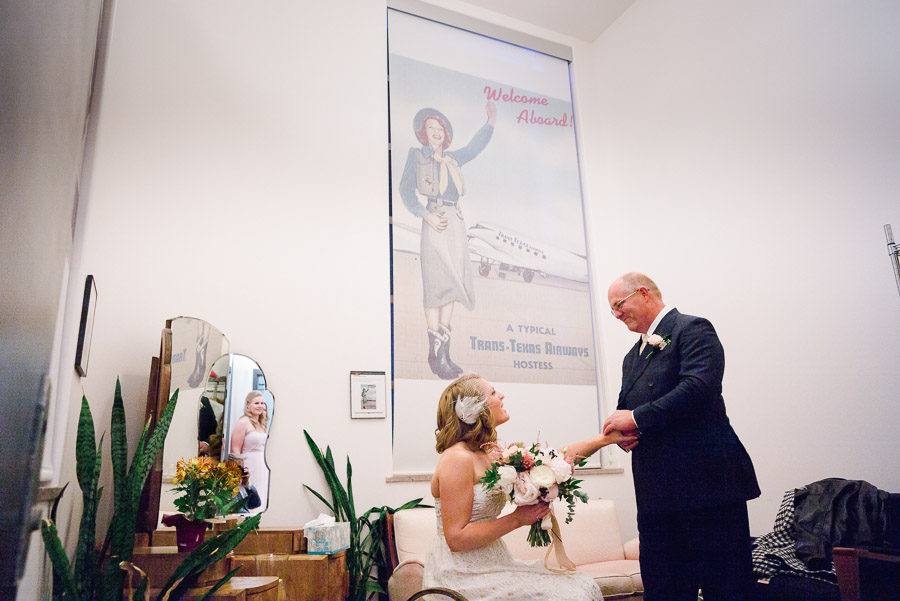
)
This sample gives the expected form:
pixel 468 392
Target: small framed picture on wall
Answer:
pixel 86 329
pixel 367 394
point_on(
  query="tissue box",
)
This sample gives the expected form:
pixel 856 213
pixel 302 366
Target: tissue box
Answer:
pixel 325 540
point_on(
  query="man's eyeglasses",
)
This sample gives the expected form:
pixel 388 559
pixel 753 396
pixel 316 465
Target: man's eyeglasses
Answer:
pixel 618 306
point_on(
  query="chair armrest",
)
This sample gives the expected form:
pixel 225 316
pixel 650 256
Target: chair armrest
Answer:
pixel 405 580
pixel 856 583
pixel 633 549
pixel 438 591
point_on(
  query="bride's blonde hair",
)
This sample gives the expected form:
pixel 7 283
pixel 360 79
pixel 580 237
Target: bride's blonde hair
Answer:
pixel 451 429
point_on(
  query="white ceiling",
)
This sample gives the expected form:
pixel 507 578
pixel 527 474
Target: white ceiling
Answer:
pixel 581 19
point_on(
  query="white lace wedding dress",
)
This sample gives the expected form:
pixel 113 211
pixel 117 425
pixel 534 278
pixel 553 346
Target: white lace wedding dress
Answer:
pixel 489 573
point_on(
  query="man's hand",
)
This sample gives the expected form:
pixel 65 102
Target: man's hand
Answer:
pixel 621 420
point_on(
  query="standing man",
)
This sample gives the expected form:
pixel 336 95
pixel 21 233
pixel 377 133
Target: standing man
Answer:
pixel 692 476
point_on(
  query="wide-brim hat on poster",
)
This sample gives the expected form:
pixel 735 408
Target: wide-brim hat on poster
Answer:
pixel 423 114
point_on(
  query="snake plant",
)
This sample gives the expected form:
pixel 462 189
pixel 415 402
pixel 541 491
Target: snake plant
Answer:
pixel 87 582
pixel 366 562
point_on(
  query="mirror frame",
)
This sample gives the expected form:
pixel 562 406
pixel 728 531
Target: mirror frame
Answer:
pixel 158 394
pixel 157 399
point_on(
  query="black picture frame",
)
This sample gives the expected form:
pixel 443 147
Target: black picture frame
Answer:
pixel 86 329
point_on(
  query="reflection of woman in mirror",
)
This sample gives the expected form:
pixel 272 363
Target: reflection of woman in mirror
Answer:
pixel 249 439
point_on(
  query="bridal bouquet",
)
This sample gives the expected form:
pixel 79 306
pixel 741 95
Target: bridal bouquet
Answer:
pixel 532 475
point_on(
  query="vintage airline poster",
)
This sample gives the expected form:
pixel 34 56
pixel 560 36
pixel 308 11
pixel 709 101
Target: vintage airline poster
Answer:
pixel 489 259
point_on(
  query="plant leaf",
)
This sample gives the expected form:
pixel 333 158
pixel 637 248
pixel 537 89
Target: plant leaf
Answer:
pixel 154 444
pixel 58 558
pixel 138 460
pixel 234 505
pixel 56 501
pixel 118 445
pixel 219 584
pixel 351 507
pixel 321 498
pixel 209 552
pixel 85 445
pixel 87 457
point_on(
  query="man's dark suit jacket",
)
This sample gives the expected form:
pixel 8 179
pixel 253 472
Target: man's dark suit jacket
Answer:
pixel 688 457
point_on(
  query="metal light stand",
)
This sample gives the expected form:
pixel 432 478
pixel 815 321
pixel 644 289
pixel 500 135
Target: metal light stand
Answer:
pixel 894 253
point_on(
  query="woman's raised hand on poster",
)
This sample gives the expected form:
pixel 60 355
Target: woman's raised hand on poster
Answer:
pixel 491 113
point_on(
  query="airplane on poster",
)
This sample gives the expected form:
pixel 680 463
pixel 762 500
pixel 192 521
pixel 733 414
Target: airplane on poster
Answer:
pixel 512 252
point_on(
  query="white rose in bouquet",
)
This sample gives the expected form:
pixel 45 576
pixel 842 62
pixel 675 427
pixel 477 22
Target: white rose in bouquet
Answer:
pixel 561 468
pixel 507 478
pixel 543 476
pixel 526 493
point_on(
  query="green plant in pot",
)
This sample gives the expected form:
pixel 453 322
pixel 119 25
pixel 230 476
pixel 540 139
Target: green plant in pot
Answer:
pixel 207 488
pixel 88 581
pixel 366 561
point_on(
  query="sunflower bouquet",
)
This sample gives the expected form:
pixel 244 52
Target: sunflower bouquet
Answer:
pixel 208 487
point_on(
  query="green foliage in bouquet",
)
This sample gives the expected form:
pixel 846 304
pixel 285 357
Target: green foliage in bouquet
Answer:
pixel 366 560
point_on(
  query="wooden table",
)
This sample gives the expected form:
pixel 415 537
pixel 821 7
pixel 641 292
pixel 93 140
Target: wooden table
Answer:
pixel 264 540
pixel 159 563
pixel 319 577
pixel 274 553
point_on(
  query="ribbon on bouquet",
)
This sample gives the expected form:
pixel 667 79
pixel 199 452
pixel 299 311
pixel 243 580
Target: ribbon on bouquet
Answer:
pixel 556 544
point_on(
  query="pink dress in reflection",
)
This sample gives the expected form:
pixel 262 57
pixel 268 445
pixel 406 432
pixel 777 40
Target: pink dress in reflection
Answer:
pixel 254 448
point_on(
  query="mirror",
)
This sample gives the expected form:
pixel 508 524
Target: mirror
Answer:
pixel 213 385
pixel 211 413
pixel 243 427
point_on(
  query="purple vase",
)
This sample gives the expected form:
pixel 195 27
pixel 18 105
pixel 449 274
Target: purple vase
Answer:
pixel 188 533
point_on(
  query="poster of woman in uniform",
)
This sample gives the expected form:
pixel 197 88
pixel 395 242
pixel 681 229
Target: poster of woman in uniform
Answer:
pixel 433 174
pixel 489 256
pixel 485 177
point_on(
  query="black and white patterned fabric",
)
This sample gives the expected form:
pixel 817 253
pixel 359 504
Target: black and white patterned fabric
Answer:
pixel 774 554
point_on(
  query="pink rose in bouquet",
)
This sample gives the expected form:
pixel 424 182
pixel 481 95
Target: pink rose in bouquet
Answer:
pixel 525 492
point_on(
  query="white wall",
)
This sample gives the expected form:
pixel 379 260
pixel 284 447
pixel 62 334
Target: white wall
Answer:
pixel 741 154
pixel 745 155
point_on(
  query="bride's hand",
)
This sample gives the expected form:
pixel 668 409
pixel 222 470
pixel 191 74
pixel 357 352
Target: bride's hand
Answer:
pixel 626 441
pixel 526 515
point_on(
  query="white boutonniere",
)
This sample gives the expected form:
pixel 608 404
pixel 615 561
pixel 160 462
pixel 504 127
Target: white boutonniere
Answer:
pixel 657 341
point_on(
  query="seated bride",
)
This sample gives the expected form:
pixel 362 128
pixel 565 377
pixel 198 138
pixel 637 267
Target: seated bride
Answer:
pixel 468 555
